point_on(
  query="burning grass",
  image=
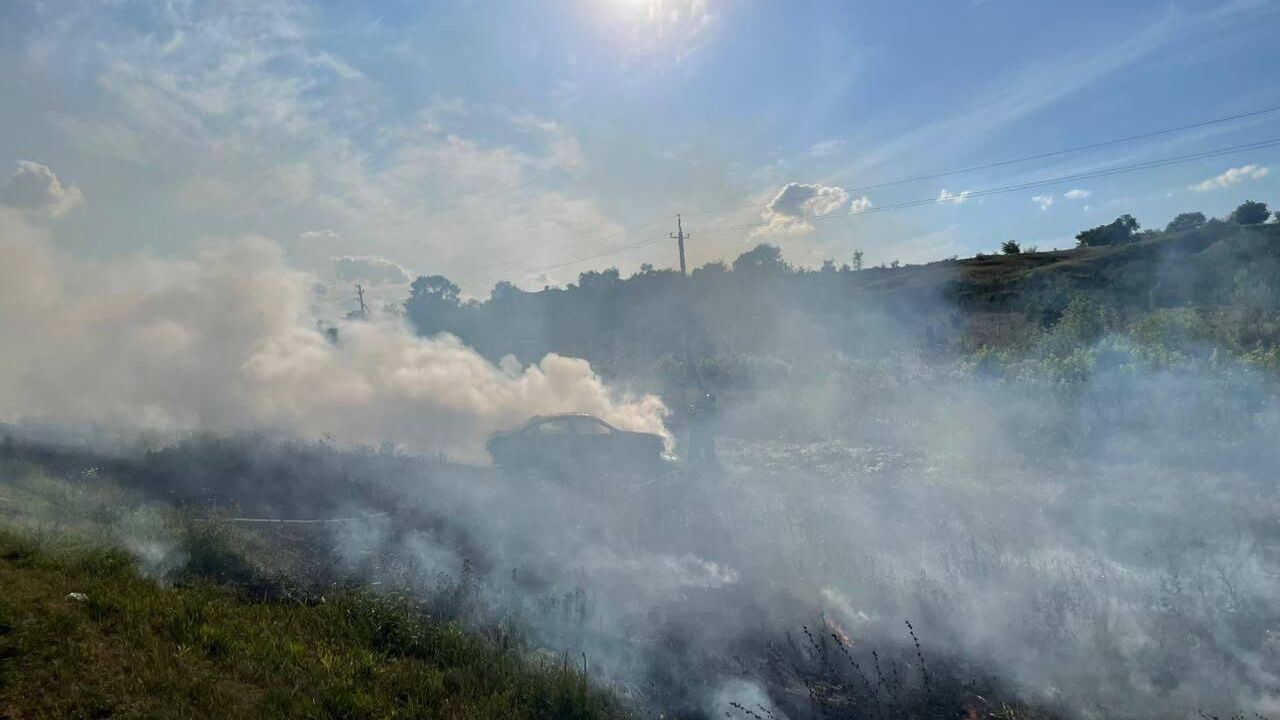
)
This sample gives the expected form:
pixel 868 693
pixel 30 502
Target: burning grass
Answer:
pixel 686 617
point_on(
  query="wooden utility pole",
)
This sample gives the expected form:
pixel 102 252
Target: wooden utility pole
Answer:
pixel 679 236
pixel 364 309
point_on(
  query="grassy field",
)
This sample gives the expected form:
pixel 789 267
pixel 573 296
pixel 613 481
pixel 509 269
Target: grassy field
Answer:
pixel 225 638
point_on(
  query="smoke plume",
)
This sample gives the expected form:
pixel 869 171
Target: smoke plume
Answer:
pixel 228 342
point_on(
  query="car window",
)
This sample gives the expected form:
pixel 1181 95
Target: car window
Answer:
pixel 553 427
pixel 591 426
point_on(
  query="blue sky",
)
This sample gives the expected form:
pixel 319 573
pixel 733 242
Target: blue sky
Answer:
pixel 505 140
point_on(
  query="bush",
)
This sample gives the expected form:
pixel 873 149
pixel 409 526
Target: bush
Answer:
pixel 1083 323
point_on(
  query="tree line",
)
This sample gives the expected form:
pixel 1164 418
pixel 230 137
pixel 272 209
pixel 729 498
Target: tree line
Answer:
pixel 761 306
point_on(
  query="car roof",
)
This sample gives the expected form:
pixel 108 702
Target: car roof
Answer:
pixel 539 419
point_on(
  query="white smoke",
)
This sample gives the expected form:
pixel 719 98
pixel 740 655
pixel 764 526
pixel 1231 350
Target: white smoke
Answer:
pixel 228 342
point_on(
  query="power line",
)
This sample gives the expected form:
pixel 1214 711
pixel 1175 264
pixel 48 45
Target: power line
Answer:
pixel 606 253
pixel 1038 156
pixel 1105 172
pixel 440 207
pixel 1163 162
pixel 1068 151
pixel 591 241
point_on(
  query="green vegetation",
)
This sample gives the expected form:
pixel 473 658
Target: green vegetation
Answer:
pixel 1118 232
pixel 1250 213
pixel 761 309
pixel 1186 221
pixel 207 643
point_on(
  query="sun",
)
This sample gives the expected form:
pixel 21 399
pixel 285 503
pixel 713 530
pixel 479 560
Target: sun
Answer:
pixel 629 8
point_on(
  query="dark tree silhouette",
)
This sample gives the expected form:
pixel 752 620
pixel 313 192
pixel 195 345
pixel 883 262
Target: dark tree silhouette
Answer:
pixel 1119 231
pixel 1186 221
pixel 1010 247
pixel 763 258
pixel 434 287
pixel 434 304
pixel 1250 213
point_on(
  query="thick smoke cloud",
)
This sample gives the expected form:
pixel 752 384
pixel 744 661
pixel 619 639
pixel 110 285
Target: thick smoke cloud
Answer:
pixel 228 342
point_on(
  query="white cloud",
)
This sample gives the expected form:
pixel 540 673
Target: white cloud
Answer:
pixel 372 269
pixel 827 148
pixel 35 188
pixel 1077 194
pixel 247 120
pixel 1232 177
pixel 790 210
pixel 321 234
pixel 947 196
pixel 1044 201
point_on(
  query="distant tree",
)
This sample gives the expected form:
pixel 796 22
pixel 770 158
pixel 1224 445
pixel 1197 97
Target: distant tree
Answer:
pixel 763 258
pixel 599 280
pixel 857 259
pixel 828 266
pixel 434 287
pixel 503 291
pixel 1119 231
pixel 1250 213
pixel 895 264
pixel 1010 247
pixel 1186 221
pixel 434 304
pixel 646 268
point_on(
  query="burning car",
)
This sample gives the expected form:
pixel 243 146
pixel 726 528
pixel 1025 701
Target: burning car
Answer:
pixel 573 443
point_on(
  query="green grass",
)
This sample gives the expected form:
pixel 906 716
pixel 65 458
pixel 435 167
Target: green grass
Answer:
pixel 136 648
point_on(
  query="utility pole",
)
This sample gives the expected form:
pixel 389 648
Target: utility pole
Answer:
pixel 679 236
pixel 364 309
